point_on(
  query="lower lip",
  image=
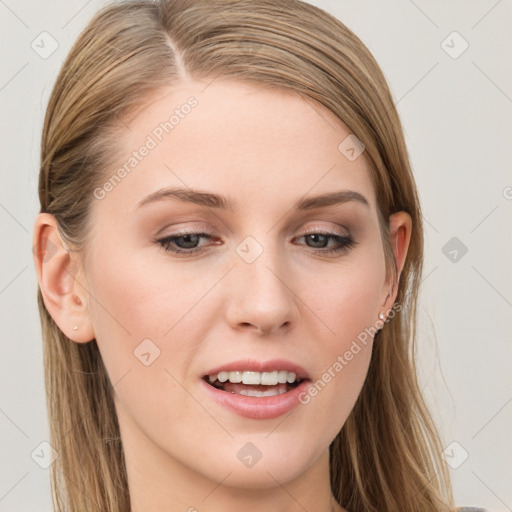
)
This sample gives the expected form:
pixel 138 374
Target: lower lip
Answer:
pixel 258 408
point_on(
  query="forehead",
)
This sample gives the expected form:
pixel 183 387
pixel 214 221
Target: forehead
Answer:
pixel 247 141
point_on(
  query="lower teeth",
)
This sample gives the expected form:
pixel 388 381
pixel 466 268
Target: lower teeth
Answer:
pixel 253 390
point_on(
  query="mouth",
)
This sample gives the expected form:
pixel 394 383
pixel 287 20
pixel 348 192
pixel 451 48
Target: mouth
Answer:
pixel 259 390
pixel 253 383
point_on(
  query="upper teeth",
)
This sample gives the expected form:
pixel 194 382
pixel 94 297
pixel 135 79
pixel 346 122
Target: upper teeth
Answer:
pixel 255 378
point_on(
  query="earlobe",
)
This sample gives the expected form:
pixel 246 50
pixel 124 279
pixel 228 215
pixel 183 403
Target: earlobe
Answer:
pixel 56 268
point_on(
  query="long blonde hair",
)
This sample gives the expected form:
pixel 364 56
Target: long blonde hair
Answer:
pixel 387 456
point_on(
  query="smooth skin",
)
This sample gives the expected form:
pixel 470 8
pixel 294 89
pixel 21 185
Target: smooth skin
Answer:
pixel 263 149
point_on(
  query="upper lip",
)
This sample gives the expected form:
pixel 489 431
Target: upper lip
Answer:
pixel 252 365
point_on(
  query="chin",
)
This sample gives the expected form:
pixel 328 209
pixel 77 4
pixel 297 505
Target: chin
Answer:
pixel 259 463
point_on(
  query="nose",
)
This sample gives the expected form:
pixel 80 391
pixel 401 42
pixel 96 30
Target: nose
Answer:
pixel 261 297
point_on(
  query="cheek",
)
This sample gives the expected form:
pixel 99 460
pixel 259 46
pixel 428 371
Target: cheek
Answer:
pixel 346 308
pixel 144 310
pixel 142 290
pixel 124 310
pixel 348 298
pixel 144 331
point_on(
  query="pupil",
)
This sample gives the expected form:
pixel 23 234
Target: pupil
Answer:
pixel 315 237
pixel 190 241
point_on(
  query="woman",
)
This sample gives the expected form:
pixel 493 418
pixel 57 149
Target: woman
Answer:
pixel 229 254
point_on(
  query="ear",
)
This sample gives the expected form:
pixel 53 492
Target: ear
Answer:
pixel 400 228
pixel 57 269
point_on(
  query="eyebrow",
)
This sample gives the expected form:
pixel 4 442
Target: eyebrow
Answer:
pixel 220 202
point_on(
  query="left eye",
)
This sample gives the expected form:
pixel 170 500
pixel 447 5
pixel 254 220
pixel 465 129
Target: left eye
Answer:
pixel 321 241
pixel 187 242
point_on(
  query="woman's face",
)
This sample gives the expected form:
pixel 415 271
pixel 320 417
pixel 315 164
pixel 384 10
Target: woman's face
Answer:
pixel 190 285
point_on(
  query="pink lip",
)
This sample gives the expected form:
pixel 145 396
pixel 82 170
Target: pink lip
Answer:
pixel 260 366
pixel 259 408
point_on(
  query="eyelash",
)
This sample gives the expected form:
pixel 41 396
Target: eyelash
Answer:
pixel 347 242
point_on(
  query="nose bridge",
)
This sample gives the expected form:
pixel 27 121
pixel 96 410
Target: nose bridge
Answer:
pixel 262 296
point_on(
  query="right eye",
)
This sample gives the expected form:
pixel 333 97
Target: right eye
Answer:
pixel 183 242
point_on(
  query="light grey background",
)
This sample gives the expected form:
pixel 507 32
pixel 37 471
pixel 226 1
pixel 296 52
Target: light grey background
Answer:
pixel 457 119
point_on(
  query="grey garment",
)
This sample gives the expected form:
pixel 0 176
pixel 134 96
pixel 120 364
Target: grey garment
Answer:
pixel 471 509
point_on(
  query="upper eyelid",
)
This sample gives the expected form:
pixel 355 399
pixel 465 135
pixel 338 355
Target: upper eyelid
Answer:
pixel 211 231
pixel 316 229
